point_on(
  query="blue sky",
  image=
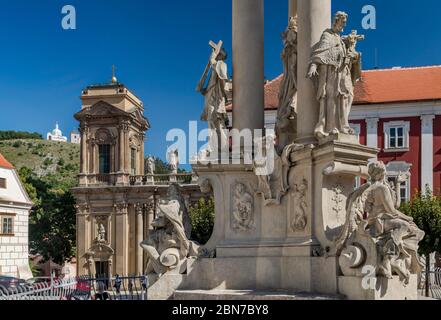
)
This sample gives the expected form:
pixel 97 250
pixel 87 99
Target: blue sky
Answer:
pixel 160 49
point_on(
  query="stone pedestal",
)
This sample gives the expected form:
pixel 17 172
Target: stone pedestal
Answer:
pixel 288 246
pixel 384 289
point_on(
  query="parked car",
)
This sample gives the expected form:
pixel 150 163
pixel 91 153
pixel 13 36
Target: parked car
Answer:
pixel 8 284
pixel 40 281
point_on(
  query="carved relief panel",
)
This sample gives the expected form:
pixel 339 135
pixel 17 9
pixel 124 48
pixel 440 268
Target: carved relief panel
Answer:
pixel 298 218
pixel 242 208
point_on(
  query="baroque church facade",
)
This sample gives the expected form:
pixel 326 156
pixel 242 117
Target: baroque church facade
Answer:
pixel 115 200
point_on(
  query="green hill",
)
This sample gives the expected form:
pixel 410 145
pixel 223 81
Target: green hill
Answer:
pixel 45 158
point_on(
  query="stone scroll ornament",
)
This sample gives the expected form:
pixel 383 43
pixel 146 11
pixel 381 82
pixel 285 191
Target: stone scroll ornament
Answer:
pixel 242 211
pixel 335 68
pixel 299 219
pixel 376 233
pixel 286 113
pixel 168 246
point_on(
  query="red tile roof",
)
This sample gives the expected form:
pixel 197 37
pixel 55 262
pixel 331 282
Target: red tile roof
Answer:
pixel 381 86
pixel 5 163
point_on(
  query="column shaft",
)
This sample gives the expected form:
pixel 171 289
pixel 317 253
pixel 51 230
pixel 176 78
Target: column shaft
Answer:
pixel 139 239
pixel 83 151
pixel 121 150
pixel 248 64
pixel 314 18
pixel 372 132
pixel 427 152
pixel 292 8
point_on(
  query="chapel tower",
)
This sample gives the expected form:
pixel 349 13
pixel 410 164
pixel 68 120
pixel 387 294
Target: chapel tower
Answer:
pixel 112 128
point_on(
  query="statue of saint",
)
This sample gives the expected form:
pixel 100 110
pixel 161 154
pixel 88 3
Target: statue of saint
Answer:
pixel 173 161
pixel 394 236
pixel 215 93
pixel 286 113
pixel 101 233
pixel 336 67
pixel 150 165
pixel 168 245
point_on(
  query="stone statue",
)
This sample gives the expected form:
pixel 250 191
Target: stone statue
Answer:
pixel 300 219
pixel 336 67
pixel 168 245
pixel 272 170
pixel 286 114
pixel 215 93
pixel 376 233
pixel 101 233
pixel 150 165
pixel 243 218
pixel 173 161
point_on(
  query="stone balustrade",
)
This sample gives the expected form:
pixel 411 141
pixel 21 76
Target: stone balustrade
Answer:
pixel 139 180
pixel 163 179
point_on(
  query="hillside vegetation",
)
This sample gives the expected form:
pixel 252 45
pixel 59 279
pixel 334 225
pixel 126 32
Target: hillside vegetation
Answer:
pixel 44 158
pixel 9 135
pixel 48 170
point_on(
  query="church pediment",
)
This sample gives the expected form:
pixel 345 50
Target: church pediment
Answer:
pixel 100 109
pixel 141 119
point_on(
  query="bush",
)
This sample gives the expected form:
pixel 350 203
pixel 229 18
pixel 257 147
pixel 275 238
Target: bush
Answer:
pixel 425 209
pixel 202 220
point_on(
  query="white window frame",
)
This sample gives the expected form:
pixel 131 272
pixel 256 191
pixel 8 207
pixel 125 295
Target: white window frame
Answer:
pixel 405 125
pixel 2 225
pixel 394 168
pixel 5 185
pixel 404 186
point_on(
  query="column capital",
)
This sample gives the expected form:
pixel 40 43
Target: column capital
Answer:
pixel 372 121
pixel 427 119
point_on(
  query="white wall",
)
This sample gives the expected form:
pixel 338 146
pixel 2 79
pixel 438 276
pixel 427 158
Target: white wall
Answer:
pixel 14 250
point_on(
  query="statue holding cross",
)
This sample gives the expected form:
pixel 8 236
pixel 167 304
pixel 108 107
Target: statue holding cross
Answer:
pixel 215 94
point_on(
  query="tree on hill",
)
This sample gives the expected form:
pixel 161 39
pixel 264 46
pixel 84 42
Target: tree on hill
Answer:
pixel 52 219
pixel 19 135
